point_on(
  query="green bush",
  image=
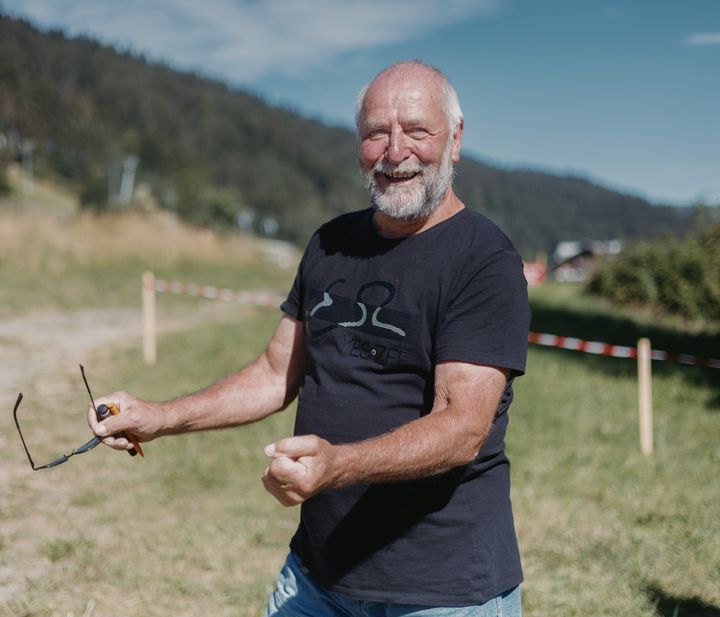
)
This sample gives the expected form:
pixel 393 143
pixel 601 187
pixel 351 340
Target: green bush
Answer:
pixel 4 184
pixel 94 193
pixel 672 276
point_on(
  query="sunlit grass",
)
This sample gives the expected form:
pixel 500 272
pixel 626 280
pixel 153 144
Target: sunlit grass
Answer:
pixel 186 530
pixel 189 530
pixel 600 524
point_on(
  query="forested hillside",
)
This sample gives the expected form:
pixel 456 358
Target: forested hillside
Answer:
pixel 210 152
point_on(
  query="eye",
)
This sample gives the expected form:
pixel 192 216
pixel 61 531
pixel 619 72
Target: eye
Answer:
pixel 378 133
pixel 417 132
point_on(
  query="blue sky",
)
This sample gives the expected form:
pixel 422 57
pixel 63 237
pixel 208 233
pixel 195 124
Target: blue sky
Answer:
pixel 624 93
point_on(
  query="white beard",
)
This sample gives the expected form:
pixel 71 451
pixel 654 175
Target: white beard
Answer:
pixel 421 197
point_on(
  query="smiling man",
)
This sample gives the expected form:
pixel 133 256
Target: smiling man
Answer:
pixel 410 130
pixel 401 337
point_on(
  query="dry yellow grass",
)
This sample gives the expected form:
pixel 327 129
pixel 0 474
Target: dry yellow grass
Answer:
pixel 53 257
pixel 47 230
pixel 88 238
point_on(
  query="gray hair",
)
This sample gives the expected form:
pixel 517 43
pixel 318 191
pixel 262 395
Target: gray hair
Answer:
pixel 451 104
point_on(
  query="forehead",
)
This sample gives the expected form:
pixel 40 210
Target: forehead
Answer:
pixel 403 97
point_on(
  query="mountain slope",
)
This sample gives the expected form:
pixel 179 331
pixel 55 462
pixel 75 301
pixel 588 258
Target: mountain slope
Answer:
pixel 210 152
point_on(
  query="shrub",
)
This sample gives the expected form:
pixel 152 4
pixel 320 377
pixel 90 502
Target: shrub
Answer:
pixel 672 276
pixel 4 184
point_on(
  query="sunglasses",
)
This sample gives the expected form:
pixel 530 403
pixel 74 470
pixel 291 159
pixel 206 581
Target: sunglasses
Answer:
pixel 101 411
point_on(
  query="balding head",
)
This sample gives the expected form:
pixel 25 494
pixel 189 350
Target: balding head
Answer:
pixel 409 135
pixel 416 70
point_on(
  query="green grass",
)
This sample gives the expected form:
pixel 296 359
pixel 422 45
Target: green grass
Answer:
pixel 189 530
pixel 603 529
pixel 119 284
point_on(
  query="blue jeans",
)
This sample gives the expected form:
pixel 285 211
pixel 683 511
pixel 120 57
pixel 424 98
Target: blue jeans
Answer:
pixel 295 595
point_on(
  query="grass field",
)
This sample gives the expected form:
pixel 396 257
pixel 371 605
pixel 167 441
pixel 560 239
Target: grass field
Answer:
pixel 189 530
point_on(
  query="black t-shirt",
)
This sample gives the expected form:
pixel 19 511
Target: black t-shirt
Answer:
pixel 378 315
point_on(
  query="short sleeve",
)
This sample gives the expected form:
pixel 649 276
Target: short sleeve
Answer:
pixel 293 304
pixel 487 316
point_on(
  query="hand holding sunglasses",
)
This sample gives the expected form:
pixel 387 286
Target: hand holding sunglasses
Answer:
pixel 102 412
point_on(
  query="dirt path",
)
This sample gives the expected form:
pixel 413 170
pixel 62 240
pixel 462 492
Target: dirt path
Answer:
pixel 40 351
pixel 41 348
pixel 34 347
pixel 39 355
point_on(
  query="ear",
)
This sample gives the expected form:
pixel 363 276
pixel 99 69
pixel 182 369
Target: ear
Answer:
pixel 457 142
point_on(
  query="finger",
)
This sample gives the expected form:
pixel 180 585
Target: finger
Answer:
pixel 116 398
pixel 284 474
pixel 284 496
pixel 291 479
pixel 281 474
pixel 91 418
pixel 271 484
pixel 117 443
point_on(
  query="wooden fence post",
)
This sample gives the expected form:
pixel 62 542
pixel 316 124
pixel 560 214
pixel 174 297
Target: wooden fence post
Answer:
pixel 644 359
pixel 149 319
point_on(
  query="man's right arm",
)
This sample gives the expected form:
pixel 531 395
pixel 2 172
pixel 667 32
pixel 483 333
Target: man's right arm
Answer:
pixel 267 385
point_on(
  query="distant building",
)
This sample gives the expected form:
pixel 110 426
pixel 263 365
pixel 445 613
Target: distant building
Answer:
pixel 573 261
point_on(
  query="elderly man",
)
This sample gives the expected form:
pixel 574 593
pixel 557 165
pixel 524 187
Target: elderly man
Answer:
pixel 402 335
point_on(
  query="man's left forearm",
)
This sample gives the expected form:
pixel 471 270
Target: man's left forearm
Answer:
pixel 449 436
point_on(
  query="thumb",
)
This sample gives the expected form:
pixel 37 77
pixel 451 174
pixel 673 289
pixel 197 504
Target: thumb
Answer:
pixel 112 426
pixel 293 447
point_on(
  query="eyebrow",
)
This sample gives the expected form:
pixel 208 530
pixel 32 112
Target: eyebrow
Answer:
pixel 418 122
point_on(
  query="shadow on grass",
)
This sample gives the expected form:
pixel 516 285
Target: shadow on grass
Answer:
pixel 670 606
pixel 621 331
pixel 624 331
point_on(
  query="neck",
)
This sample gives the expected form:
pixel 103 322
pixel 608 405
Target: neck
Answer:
pixel 388 227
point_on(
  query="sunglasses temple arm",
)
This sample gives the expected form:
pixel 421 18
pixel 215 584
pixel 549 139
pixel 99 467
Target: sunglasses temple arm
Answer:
pixel 17 425
pixel 87 386
pixel 95 441
pixel 58 461
pixel 86 447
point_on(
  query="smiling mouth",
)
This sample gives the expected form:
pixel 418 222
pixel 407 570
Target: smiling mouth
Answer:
pixel 399 177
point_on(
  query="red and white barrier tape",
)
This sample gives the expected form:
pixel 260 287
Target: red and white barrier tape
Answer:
pixel 616 351
pixel 257 298
pixel 262 298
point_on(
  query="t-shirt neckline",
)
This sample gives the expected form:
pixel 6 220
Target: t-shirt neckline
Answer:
pixel 413 237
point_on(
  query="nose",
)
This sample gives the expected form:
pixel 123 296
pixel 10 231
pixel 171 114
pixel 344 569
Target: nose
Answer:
pixel 397 150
